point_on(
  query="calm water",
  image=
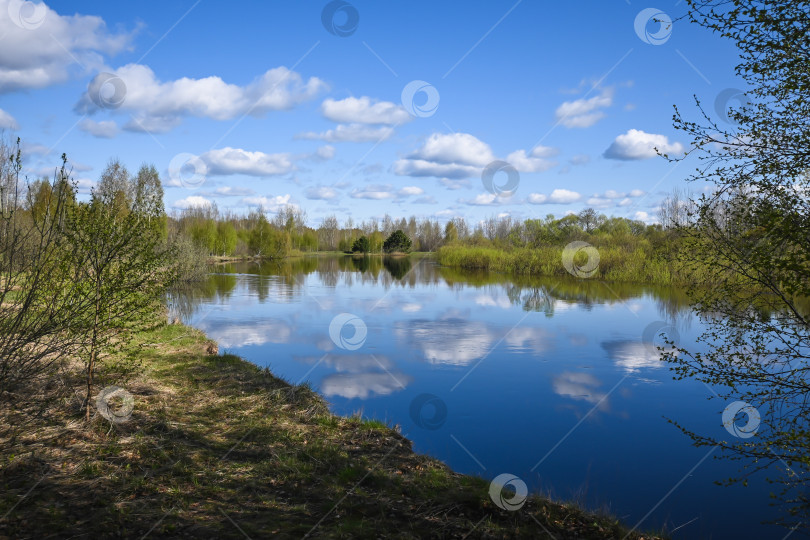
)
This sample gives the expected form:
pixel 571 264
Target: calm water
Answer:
pixel 557 382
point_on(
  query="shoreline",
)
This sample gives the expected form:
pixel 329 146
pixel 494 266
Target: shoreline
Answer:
pixel 212 436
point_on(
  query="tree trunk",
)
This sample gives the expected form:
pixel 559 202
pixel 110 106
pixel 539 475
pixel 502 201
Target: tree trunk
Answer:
pixel 91 364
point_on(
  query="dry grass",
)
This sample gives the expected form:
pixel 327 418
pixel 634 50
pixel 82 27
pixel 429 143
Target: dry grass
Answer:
pixel 218 448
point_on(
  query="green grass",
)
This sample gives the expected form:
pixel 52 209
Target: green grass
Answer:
pixel 219 448
pixel 616 263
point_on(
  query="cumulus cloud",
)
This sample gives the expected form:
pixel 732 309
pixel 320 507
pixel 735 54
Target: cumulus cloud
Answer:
pixel 267 203
pixel 421 168
pixel 230 191
pixel 455 156
pixel 483 199
pixel 106 129
pixel 611 196
pixel 192 201
pixel 158 106
pixel 558 196
pixel 226 161
pixel 373 192
pixel 637 144
pixel 324 153
pixel 364 110
pixel 582 113
pixel 459 156
pixel 410 190
pixel 320 193
pixel 7 121
pixel 350 133
pixel 455 148
pixel 536 160
pixel 51 46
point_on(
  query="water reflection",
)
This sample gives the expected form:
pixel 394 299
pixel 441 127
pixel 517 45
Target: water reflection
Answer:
pixel 286 279
pixel 581 387
pixel 522 367
pixel 452 341
pixel 633 356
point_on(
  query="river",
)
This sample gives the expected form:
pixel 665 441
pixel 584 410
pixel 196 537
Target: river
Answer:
pixel 557 382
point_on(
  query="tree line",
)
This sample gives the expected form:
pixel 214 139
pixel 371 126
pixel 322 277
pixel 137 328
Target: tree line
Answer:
pixel 262 234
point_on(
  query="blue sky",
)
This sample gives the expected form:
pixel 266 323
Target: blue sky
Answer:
pixel 270 103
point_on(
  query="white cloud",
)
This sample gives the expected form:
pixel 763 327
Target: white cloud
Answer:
pixel 611 196
pixel 637 144
pixel 159 106
pixel 7 121
pixel 106 129
pixel 320 193
pixel 460 148
pixel 642 216
pixel 558 196
pixel 580 159
pixel 454 184
pixel 364 110
pixel 483 199
pixel 267 203
pixel 350 133
pixel 45 53
pixel 226 161
pixel 192 201
pixel 410 190
pixel 324 153
pixel 420 167
pixel 536 161
pixel 373 192
pixel 582 113
pixel 457 156
pixel 231 191
pixel 598 201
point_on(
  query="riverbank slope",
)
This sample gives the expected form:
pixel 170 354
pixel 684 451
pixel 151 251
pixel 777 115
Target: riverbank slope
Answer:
pixel 216 447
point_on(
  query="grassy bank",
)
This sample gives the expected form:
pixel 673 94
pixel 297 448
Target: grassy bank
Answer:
pixel 218 448
pixel 616 263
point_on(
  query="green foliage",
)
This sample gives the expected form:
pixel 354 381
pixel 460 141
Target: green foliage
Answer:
pixel 628 250
pixel 397 242
pixel 121 266
pixel 750 236
pixel 226 239
pixel 266 241
pixel 361 245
